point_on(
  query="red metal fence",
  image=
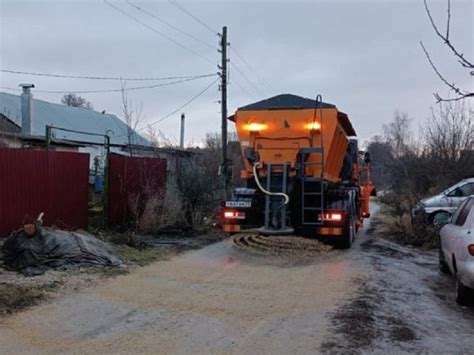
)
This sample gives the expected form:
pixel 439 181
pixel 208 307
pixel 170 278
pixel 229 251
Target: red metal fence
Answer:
pixel 34 181
pixel 132 182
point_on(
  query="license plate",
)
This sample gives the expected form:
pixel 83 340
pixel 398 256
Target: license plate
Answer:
pixel 238 203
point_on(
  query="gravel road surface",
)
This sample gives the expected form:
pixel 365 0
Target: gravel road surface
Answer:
pixel 374 298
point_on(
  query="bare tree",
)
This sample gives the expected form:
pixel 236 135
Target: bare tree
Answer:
pixel 198 185
pixel 132 117
pixel 381 153
pixel 158 139
pixel 398 133
pixel 198 181
pixel 449 139
pixel 74 100
pixel 465 63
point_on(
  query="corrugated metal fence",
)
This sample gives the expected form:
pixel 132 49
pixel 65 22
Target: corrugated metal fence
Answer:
pixel 56 183
pixel 132 182
pixel 34 181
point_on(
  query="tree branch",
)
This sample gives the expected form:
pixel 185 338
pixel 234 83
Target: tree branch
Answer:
pixel 462 97
pixel 462 94
pixel 448 22
pixel 464 62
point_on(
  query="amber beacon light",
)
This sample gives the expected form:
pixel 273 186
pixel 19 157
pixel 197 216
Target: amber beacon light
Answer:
pixel 255 127
pixel 313 126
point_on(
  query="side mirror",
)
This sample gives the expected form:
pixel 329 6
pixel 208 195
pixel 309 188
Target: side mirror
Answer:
pixel 367 158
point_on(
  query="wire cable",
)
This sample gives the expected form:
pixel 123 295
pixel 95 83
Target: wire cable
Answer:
pixel 257 90
pixel 98 77
pixel 158 32
pixel 259 78
pixel 115 90
pixel 180 107
pixel 178 6
pixel 169 24
pixel 233 81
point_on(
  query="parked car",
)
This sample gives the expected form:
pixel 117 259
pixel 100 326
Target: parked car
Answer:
pixel 439 208
pixel 456 251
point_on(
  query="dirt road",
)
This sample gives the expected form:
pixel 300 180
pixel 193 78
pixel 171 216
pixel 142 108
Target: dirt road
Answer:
pixel 372 298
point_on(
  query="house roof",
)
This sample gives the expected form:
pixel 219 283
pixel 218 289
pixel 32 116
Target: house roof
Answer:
pixel 74 118
pixel 41 140
pixel 285 101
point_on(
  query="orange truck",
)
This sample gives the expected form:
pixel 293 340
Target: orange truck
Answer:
pixel 303 172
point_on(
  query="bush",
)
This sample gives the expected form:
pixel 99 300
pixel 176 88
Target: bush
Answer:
pixel 400 228
pixel 198 185
pixel 412 170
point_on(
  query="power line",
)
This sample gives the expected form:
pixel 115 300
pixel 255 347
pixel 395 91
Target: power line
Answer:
pixel 259 78
pixel 257 90
pixel 116 90
pixel 175 3
pixel 158 32
pixel 182 106
pixel 129 89
pixel 98 77
pixel 242 88
pixel 169 24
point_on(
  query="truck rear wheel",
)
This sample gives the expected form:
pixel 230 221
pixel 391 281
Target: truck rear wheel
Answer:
pixel 349 235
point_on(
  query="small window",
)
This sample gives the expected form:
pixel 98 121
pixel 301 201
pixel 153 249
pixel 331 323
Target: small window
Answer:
pixel 456 193
pixel 467 189
pixel 463 212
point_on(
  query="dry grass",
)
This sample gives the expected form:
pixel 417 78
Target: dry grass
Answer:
pixel 14 298
pixel 399 227
pixel 153 212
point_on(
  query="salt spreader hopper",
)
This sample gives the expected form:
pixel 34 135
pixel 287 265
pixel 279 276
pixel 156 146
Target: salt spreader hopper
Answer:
pixel 303 171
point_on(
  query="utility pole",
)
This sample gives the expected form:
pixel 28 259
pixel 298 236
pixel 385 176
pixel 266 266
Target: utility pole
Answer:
pixel 181 136
pixel 223 74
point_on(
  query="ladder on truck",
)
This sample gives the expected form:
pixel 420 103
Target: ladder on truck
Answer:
pixel 276 180
pixel 312 188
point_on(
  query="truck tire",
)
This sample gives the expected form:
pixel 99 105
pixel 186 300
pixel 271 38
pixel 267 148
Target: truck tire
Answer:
pixel 349 235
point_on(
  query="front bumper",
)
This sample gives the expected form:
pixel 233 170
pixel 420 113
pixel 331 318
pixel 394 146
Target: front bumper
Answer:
pixel 419 214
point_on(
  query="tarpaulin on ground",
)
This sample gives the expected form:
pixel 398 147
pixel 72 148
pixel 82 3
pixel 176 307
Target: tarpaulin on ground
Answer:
pixel 55 249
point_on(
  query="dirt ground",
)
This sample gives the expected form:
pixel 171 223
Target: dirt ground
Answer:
pixel 214 300
pixel 18 292
pixel 222 299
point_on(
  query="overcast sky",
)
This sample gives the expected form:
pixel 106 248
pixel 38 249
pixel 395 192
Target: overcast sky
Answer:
pixel 363 56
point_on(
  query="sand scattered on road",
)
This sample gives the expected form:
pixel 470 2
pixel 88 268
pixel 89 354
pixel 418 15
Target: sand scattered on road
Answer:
pixel 208 301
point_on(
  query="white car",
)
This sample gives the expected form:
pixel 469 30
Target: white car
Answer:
pixel 456 252
pixel 437 209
